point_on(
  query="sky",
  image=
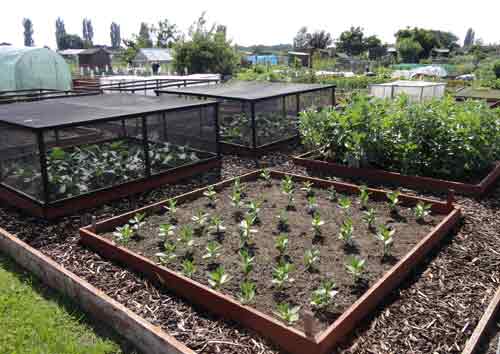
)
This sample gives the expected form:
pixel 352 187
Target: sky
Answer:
pixel 252 22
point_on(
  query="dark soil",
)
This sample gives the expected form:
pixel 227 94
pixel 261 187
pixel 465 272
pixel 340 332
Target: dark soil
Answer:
pixel 434 311
pixel 334 252
pixel 491 344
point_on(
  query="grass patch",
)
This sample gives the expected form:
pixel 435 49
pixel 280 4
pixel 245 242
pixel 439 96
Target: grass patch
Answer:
pixel 34 319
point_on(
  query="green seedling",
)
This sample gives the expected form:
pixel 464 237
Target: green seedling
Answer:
pixel 364 196
pixel 355 266
pixel 172 208
pixel 254 208
pixel 246 229
pixel 186 236
pixel 168 255
pixel 393 200
pixel 124 234
pixel 247 292
pixel 213 250
pixel 312 205
pixel 200 218
pixel 317 223
pixel 287 313
pixel 166 231
pixel 247 262
pixel 283 224
pixel 369 217
pixel 346 232
pixel 266 176
pixel 216 224
pixel 137 221
pixel 307 187
pixel 188 268
pixel 211 194
pixel 218 278
pixel 324 295
pixel 281 274
pixel 236 200
pixel 385 235
pixel 311 258
pixel 281 244
pixel 344 203
pixel 421 211
pixel 332 194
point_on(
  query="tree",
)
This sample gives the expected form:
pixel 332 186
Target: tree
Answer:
pixel 409 50
pixel 469 38
pixel 144 38
pixel 72 41
pixel 496 69
pixel 428 39
pixel 60 33
pixel 207 50
pixel 88 32
pixel 374 47
pixel 115 35
pixel 351 41
pixel 28 33
pixel 300 40
pixel 319 40
pixel 166 34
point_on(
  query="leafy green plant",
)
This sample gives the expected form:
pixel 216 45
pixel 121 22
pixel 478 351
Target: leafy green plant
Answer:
pixel 281 244
pixel 421 211
pixel 287 313
pixel 137 221
pixel 287 187
pixel 281 274
pixel 355 266
pixel 217 224
pixel 200 218
pixel 172 208
pixel 344 203
pixel 332 194
pixel 254 207
pixel 324 295
pixel 188 268
pixel 186 236
pixel 266 176
pixel 168 255
pixel 393 200
pixel 211 194
pixel 307 187
pixel 317 223
pixel 236 200
pixel 124 234
pixel 166 231
pixel 238 187
pixel 364 196
pixel 283 224
pixel 311 258
pixel 385 235
pixel 213 250
pixel 247 292
pixel 346 231
pixel 369 217
pixel 246 229
pixel 218 278
pixel 312 205
pixel 247 262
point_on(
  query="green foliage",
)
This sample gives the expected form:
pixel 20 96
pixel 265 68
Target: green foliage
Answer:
pixel 345 203
pixel 137 221
pixel 124 234
pixel 213 250
pixel 281 274
pixel 168 255
pixel 206 51
pixel 355 266
pixel 188 268
pixel 421 210
pixel 266 176
pixel 311 257
pixel 247 262
pixel 172 208
pixel 186 236
pixel 216 224
pixel 385 235
pixel 346 231
pixel 364 196
pixel 211 194
pixel 317 223
pixel 409 50
pixel 236 199
pixel 281 244
pixel 218 278
pixel 324 295
pixel 166 230
pixel 200 218
pixel 332 194
pixel 307 187
pixel 369 217
pixel 247 292
pixel 287 187
pixel 312 205
pixel 439 138
pixel 283 224
pixel 287 313
pixel 393 198
pixel 246 229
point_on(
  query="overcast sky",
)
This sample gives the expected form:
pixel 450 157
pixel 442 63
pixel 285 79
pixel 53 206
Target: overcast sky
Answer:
pixel 253 22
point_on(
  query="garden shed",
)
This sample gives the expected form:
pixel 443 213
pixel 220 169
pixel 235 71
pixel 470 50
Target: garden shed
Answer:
pixel 95 58
pixel 417 91
pixel 60 156
pixel 32 68
pixel 258 116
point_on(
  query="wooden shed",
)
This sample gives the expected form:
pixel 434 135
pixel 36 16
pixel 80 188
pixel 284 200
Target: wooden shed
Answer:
pixel 94 58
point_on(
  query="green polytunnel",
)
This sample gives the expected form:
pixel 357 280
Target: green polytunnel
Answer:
pixel 32 68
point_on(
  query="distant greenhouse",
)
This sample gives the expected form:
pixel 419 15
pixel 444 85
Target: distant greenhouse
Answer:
pixel 32 68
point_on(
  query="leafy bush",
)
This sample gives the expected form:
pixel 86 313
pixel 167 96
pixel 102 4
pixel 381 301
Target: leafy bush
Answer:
pixel 437 138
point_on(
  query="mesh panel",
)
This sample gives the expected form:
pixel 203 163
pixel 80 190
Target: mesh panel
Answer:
pixel 235 122
pixel 88 158
pixel 20 161
pixel 276 119
pixel 181 138
pixel 317 99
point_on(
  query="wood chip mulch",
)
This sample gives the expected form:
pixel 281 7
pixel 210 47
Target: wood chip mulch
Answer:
pixel 435 311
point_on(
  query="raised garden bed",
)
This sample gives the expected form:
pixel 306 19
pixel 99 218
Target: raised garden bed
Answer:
pixel 314 161
pixel 323 328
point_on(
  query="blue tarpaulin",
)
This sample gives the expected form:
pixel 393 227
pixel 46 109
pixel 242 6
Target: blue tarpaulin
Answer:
pixel 263 59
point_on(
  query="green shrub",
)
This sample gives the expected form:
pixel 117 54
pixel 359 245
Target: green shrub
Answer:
pixel 438 138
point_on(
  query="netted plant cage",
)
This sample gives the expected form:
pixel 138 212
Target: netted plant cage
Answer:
pixel 417 91
pixel 59 156
pixel 257 116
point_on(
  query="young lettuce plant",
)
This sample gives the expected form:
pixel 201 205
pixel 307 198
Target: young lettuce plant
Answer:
pixel 266 176
pixel 385 235
pixel 137 221
pixel 188 268
pixel 166 231
pixel 369 218
pixel 346 231
pixel 317 223
pixel 344 204
pixel 281 274
pixel 281 244
pixel 216 225
pixel 124 234
pixel 324 295
pixel 213 251
pixel 287 313
pixel 364 197
pixel 168 255
pixel 218 278
pixel 312 205
pixel 356 267
pixel 247 262
pixel 393 200
pixel 311 257
pixel 307 187
pixel 421 211
pixel 247 292
pixel 211 194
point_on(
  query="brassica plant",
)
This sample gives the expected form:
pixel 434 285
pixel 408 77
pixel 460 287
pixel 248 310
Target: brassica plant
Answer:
pixel 312 205
pixel 124 234
pixel 355 266
pixel 217 224
pixel 364 196
pixel 137 221
pixel 200 218
pixel 287 313
pixel 344 203
pixel 422 210
pixel 385 235
pixel 218 278
pixel 247 292
pixel 188 268
pixel 324 295
pixel 307 187
pixel 168 254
